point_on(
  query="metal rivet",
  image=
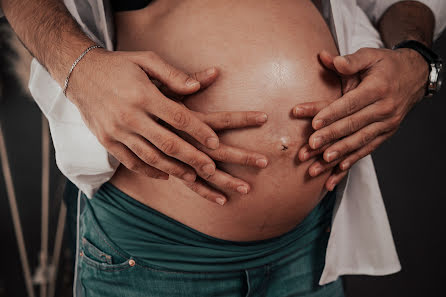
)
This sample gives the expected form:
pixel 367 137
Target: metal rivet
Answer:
pixel 132 262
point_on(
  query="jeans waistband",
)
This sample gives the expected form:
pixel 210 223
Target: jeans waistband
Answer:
pixel 158 239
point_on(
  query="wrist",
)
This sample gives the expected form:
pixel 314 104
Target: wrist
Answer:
pixel 63 58
pixel 434 62
pixel 84 74
pixel 419 69
pixel 416 61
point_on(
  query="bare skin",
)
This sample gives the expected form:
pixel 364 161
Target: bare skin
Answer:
pixel 267 56
pixel 108 87
pixel 380 87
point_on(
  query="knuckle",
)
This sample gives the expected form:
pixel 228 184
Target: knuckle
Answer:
pixel 226 120
pixel 172 73
pixel 366 137
pixel 331 135
pixel 346 147
pixel 181 119
pixel 230 185
pixel 133 165
pixel 194 161
pixel 332 114
pixel 175 171
pixel 169 146
pixel 352 104
pixel 387 109
pixel 223 155
pixel 249 159
pixel 395 121
pixel 370 149
pixel 353 124
pixel 104 139
pixel 152 158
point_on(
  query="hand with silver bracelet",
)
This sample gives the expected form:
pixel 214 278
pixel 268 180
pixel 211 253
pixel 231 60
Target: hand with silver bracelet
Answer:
pixel 122 106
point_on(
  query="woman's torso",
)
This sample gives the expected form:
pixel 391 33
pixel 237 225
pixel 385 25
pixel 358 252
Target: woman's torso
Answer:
pixel 266 52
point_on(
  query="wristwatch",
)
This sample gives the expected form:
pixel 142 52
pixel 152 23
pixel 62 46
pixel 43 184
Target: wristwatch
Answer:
pixel 435 77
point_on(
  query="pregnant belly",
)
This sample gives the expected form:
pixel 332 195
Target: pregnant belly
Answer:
pixel 266 52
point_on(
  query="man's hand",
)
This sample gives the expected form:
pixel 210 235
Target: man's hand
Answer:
pixel 210 188
pixel 123 107
pixel 379 87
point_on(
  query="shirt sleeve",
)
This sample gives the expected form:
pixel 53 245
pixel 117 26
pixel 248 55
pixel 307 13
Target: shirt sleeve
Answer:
pixel 376 8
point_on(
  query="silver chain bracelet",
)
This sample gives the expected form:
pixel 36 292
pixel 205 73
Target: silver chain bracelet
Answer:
pixel 74 65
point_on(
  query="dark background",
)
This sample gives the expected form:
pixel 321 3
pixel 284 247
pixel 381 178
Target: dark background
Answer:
pixel 410 167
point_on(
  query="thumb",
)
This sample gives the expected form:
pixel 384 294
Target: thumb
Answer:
pixel 326 60
pixel 205 78
pixel 360 60
pixel 157 68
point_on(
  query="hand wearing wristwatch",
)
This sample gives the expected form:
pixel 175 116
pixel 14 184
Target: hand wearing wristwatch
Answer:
pixel 435 77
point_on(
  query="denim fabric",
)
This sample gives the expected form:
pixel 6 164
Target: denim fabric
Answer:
pixel 104 269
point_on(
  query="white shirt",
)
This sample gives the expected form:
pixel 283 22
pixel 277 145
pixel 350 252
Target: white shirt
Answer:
pixel 360 241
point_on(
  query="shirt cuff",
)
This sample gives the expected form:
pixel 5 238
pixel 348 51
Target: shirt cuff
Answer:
pixel 375 9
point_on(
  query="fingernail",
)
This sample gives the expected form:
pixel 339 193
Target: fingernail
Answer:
pixel 210 71
pixel 242 189
pixel 262 163
pixel 209 169
pixel 298 111
pixel 190 177
pixel 317 142
pixel 212 143
pixel 318 124
pixel 221 200
pixel 317 170
pixel 261 118
pixel 190 82
pixel 345 165
pixel 306 155
pixel 332 156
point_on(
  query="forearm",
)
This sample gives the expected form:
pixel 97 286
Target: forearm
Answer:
pixel 48 31
pixel 407 20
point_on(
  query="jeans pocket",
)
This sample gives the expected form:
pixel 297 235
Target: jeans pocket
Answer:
pixel 106 259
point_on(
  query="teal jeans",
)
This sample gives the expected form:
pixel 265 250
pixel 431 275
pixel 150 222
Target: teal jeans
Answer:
pixel 160 264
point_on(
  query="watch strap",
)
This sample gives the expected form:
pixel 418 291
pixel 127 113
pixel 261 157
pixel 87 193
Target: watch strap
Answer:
pixel 427 53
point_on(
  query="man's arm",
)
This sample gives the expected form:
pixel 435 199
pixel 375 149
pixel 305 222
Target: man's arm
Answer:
pixel 407 20
pixel 380 87
pixel 48 31
pixel 410 11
